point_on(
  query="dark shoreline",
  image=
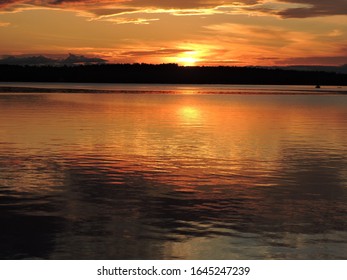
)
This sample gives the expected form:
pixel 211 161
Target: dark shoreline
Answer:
pixel 272 91
pixel 168 74
pixel 10 89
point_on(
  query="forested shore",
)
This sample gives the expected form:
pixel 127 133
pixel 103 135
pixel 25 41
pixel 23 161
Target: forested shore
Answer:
pixel 168 74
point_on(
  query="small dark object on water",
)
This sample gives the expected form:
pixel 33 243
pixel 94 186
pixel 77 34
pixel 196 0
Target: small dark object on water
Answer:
pixel 317 86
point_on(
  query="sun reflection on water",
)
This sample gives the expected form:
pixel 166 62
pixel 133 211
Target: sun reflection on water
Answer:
pixel 189 113
pixel 173 176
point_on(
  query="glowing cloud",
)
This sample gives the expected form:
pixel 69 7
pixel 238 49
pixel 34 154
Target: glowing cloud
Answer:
pixel 197 32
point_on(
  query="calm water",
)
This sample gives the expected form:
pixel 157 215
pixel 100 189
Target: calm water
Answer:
pixel 173 175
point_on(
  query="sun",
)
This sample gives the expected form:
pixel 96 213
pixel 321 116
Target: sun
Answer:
pixel 188 59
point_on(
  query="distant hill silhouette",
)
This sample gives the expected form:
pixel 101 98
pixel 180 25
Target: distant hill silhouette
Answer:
pixel 41 60
pixel 167 73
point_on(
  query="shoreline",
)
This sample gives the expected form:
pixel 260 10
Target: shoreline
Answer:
pixel 193 89
pixel 168 74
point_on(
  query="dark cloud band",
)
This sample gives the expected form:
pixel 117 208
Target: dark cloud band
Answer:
pixel 136 5
pixel 291 9
pixel 314 8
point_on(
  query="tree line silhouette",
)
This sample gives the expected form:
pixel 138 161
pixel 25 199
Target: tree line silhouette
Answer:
pixel 168 74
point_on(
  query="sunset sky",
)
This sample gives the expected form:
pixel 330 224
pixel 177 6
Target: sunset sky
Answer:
pixel 197 32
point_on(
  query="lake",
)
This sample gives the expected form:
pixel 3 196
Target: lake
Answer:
pixel 173 172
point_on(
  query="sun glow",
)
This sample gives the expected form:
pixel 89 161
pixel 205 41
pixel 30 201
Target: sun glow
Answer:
pixel 188 59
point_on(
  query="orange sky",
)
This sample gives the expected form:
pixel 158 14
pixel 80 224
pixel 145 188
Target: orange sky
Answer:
pixel 198 32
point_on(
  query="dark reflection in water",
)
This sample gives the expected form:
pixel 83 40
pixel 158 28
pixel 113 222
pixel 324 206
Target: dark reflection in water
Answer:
pixel 173 176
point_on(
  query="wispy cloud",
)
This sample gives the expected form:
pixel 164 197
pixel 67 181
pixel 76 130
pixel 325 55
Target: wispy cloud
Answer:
pixel 97 9
pixel 120 20
pixel 268 44
pixel 155 52
pixel 3 24
pixel 101 8
pixel 336 33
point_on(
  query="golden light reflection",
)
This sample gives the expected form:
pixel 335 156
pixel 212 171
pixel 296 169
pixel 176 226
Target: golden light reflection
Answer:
pixel 189 113
pixel 171 134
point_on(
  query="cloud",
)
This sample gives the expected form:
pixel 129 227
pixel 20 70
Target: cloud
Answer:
pixel 336 33
pixel 110 11
pixel 95 8
pixel 118 20
pixel 314 8
pixel 314 60
pixel 156 52
pixel 155 4
pixel 268 36
pixel 3 24
pixel 43 60
pixel 121 7
pixel 270 44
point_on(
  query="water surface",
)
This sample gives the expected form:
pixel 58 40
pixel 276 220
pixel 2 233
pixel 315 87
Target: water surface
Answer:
pixel 173 175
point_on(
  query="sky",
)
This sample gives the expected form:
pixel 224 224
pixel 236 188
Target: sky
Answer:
pixel 197 32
